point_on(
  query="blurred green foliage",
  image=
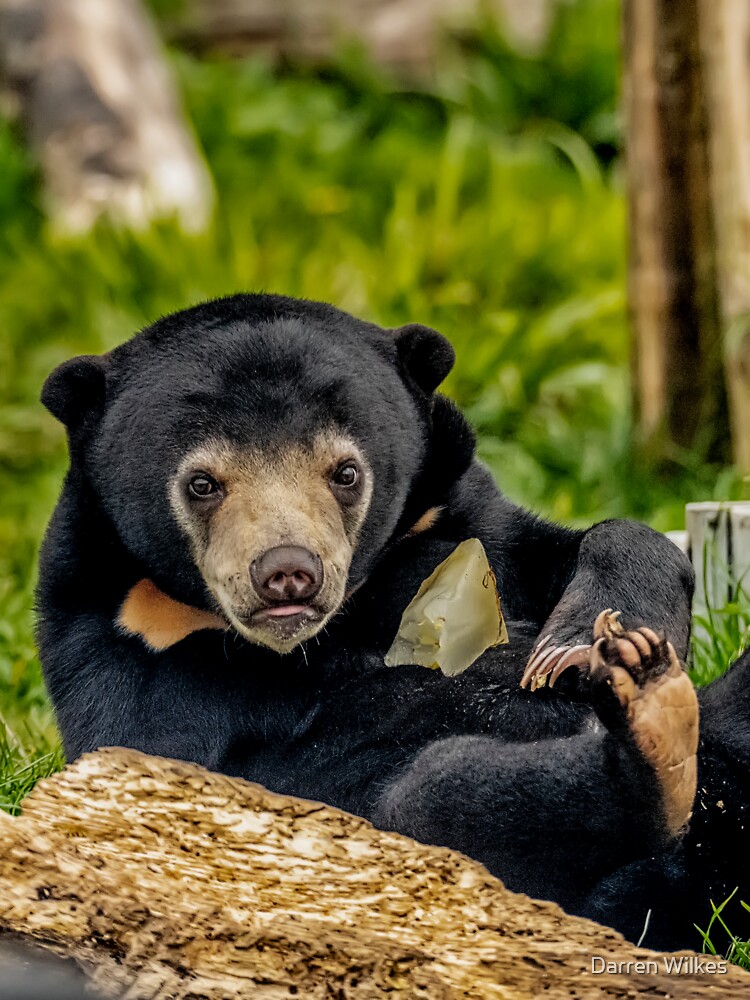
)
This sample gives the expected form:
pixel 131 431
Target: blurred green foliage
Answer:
pixel 488 205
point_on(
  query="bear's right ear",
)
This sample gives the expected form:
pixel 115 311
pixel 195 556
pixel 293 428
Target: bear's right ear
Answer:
pixel 75 391
pixel 426 354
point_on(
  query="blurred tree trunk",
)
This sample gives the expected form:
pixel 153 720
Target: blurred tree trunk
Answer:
pixel 678 383
pixel 725 38
pixel 687 105
pixel 102 113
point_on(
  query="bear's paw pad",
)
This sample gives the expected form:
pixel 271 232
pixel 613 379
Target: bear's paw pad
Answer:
pixel 639 678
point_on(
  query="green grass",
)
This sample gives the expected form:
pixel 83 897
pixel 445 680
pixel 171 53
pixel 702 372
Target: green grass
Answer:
pixel 720 635
pixel 22 766
pixel 489 204
pixel 737 951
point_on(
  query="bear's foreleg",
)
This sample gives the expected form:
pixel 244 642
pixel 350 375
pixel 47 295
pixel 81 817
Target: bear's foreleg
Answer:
pixel 623 565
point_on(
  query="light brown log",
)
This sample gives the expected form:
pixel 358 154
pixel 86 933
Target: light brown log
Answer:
pixel 679 394
pixel 725 41
pixel 163 880
pixel 402 34
pixel 102 113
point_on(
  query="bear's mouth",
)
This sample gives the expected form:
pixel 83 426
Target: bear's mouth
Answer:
pixel 284 620
pixel 283 610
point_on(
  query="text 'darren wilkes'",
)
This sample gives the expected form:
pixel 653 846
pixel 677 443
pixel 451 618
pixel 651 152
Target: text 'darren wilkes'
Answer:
pixel 672 965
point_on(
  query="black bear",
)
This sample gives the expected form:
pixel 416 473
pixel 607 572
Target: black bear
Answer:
pixel 257 488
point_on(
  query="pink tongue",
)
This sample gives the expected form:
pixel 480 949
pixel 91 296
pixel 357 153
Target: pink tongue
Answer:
pixel 286 609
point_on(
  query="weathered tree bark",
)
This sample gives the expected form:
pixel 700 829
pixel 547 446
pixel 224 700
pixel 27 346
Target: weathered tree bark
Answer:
pixel 102 113
pixel 679 395
pixel 402 34
pixel 725 40
pixel 163 880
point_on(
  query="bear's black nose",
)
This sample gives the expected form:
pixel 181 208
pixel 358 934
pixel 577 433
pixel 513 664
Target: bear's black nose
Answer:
pixel 287 574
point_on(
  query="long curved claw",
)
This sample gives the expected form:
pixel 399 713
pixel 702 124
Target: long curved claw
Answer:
pixel 578 656
pixel 531 665
pixel 550 663
pixel 607 624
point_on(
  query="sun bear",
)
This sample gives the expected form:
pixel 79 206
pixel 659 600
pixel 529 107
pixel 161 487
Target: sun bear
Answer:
pixel 257 488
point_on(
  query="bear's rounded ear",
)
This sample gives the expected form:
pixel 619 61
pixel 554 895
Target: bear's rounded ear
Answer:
pixel 75 391
pixel 426 354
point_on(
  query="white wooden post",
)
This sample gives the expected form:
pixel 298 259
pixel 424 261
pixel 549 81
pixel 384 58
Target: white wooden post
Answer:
pixel 740 537
pixel 719 548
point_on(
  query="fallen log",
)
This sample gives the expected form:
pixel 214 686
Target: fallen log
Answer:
pixel 403 35
pixel 161 879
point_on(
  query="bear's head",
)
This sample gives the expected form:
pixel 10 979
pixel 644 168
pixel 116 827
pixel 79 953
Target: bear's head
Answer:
pixel 256 455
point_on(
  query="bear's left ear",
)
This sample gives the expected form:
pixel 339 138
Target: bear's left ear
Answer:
pixel 75 391
pixel 426 354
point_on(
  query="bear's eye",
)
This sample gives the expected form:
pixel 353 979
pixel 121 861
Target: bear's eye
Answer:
pixel 346 475
pixel 202 486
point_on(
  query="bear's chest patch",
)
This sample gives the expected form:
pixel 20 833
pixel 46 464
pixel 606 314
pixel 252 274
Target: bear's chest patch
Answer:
pixel 159 620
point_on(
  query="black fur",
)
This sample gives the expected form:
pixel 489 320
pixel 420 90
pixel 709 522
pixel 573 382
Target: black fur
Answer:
pixel 529 783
